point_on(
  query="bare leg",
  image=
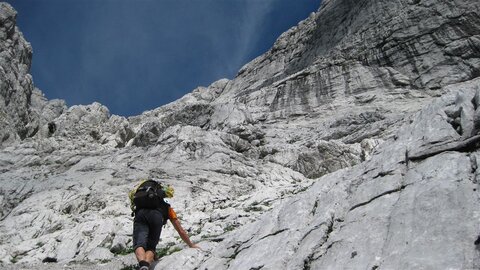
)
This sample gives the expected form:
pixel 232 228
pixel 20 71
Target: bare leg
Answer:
pixel 140 254
pixel 149 256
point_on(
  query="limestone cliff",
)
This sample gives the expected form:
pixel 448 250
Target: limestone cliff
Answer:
pixel 351 144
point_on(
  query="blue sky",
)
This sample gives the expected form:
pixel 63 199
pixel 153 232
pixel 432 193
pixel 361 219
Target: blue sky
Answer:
pixel 136 55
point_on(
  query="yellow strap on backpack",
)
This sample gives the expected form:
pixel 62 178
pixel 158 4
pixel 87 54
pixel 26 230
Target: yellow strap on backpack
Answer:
pixel 169 191
pixel 132 192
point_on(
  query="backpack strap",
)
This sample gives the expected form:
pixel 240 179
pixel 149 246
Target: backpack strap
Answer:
pixel 165 209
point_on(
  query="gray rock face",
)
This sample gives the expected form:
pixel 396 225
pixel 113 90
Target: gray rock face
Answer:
pixel 352 143
pixel 15 83
pixel 24 112
pixel 396 211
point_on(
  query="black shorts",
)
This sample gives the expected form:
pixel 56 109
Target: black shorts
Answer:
pixel 147 227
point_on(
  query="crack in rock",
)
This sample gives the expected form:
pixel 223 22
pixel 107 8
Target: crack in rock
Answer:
pixel 237 250
pixel 307 262
pixel 272 234
pixel 467 145
pixel 400 188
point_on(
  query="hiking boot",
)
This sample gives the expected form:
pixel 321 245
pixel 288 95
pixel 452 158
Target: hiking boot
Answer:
pixel 143 265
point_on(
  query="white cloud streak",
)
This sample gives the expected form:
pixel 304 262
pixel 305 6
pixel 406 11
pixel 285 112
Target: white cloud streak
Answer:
pixel 250 30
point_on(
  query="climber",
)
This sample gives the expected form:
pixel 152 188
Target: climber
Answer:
pixel 151 212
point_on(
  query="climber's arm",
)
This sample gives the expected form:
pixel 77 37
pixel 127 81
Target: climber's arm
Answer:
pixel 178 227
